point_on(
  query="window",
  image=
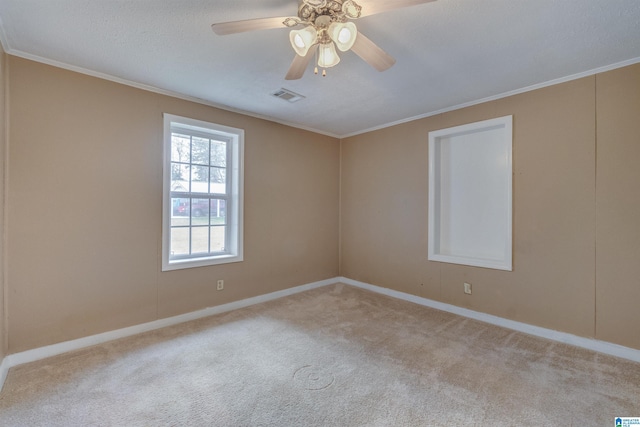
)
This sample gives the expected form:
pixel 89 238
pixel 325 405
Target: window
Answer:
pixel 202 197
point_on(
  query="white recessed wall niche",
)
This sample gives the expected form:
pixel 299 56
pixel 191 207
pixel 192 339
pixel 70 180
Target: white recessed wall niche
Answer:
pixel 470 194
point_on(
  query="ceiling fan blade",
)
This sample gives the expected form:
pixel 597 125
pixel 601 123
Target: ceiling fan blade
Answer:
pixel 371 53
pixel 371 7
pixel 299 64
pixel 234 27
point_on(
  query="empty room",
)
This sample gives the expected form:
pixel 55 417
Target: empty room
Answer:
pixel 319 213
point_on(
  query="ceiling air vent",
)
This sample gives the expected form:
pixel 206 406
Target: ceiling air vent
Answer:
pixel 287 95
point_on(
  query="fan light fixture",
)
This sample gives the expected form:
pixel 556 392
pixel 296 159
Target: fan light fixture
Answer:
pixel 302 40
pixel 343 34
pixel 327 29
pixel 327 56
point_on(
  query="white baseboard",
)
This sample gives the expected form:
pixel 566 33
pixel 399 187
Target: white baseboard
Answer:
pixel 4 370
pixel 563 337
pixel 56 349
pixel 63 347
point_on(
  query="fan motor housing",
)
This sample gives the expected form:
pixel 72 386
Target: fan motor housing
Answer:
pixel 338 10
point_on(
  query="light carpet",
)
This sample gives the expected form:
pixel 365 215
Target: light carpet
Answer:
pixel 332 356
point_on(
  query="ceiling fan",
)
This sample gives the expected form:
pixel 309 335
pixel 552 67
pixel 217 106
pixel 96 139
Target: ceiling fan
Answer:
pixel 325 25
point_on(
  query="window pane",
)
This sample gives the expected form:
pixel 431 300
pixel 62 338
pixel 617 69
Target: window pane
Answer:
pixel 179 241
pixel 180 177
pixel 200 211
pixel 217 239
pixel 218 177
pixel 179 212
pixel 200 151
pixel 199 239
pixel 218 153
pixel 180 151
pixel 199 179
pixel 218 211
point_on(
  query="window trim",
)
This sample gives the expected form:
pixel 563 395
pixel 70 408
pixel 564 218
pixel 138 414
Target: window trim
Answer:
pixel 235 177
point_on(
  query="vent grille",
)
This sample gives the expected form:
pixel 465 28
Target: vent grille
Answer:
pixel 287 95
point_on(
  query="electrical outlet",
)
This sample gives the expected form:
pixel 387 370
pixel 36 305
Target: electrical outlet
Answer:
pixel 220 285
pixel 467 288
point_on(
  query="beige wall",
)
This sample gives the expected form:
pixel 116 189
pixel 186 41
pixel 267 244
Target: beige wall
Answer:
pixel 84 208
pixel 3 97
pixel 561 279
pixel 618 207
pixel 84 201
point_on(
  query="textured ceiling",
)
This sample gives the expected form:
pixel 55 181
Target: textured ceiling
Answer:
pixel 449 53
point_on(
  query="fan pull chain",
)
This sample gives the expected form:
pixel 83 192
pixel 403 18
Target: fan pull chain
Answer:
pixel 315 70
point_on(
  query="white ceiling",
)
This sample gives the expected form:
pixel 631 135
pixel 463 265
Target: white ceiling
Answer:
pixel 449 53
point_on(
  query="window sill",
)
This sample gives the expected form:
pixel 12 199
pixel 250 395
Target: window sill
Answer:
pixel 200 262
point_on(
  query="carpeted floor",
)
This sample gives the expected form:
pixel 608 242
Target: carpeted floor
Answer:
pixel 333 356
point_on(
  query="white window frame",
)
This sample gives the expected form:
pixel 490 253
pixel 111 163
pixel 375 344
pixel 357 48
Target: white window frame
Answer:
pixel 233 251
